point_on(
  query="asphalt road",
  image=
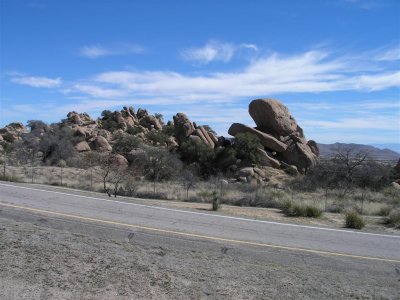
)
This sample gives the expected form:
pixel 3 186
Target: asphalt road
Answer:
pixel 79 207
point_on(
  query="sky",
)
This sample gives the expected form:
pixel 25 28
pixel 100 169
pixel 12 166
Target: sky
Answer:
pixel 335 63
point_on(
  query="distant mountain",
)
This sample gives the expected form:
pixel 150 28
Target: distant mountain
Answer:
pixel 329 150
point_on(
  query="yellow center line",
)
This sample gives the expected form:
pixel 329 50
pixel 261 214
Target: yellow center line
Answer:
pixel 200 236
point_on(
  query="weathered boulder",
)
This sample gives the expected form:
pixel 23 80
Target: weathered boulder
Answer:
pixel 150 122
pixel 172 143
pixel 207 137
pixel 266 140
pixel 120 161
pixel 80 132
pixel 300 155
pixel 100 144
pixel 183 127
pixel 74 118
pixel 271 116
pixel 82 147
pixel 267 160
pixel 246 172
pixel 313 146
pixel 196 139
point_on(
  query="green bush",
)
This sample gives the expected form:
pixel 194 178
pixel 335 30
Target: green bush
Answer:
pixel 354 220
pixel 247 147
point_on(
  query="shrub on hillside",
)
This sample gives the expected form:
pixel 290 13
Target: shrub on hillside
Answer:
pixel 354 220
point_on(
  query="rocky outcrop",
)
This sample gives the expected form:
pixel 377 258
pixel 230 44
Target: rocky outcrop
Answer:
pixel 279 133
pixel 12 132
pixel 266 139
pixel 183 127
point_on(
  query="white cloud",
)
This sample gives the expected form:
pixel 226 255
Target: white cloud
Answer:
pixel 212 51
pixel 313 71
pixel 215 51
pixel 35 81
pixel 392 54
pixel 97 51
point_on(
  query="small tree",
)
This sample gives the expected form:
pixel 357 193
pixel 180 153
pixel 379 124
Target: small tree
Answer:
pixel 159 164
pixel 6 151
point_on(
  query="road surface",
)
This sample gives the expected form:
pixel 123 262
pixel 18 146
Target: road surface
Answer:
pixel 78 206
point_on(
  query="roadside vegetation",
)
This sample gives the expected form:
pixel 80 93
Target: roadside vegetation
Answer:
pixel 350 183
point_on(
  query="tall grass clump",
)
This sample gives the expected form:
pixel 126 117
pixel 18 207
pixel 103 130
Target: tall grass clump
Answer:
pixel 393 219
pixel 291 209
pixel 354 220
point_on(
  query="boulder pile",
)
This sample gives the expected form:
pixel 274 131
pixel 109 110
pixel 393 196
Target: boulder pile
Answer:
pixel 282 138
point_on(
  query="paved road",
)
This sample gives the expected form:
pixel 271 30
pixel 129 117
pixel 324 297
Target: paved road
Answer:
pixel 81 207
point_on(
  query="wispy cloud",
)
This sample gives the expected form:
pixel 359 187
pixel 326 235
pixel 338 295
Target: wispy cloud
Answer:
pixel 391 54
pixel 36 81
pixel 312 71
pixel 214 51
pixel 97 51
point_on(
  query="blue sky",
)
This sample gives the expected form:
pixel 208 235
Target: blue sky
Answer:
pixel 334 63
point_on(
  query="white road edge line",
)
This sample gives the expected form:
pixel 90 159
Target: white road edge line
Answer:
pixel 206 214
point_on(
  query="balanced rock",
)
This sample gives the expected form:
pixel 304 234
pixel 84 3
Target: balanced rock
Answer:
pixel 271 116
pixel 266 139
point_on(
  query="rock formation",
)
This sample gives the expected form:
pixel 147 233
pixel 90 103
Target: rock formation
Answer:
pixel 280 134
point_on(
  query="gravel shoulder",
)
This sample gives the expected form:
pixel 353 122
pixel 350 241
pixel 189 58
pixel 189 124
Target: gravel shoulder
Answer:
pixel 43 258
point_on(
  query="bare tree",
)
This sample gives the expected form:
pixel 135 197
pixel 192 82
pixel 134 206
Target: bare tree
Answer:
pixel 6 150
pixel 188 181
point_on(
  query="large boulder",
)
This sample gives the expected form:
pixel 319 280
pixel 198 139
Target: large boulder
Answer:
pixel 100 144
pixel 183 127
pixel 120 161
pixel 266 139
pixel 271 116
pixel 300 155
pixel 82 147
pixel 267 160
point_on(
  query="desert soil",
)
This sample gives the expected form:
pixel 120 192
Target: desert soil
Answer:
pixel 40 262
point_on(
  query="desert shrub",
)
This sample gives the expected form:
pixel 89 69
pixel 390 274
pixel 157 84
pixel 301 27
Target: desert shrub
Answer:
pixel 215 201
pixel 107 121
pixel 157 137
pixel 384 211
pixel 393 219
pixel 201 154
pixel 272 198
pixel 354 220
pixel 125 143
pixel 168 129
pixel 291 209
pixel 133 130
pixel 11 178
pixel 247 147
pixel 8 137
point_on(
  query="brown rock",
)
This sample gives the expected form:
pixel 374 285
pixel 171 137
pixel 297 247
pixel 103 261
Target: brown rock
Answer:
pixel 79 131
pixel 200 134
pixel 246 172
pixel 100 144
pixel 82 146
pixel 271 116
pixel 313 146
pixel 300 155
pixel 267 160
pixel 150 122
pixel 266 140
pixel 183 127
pixel 208 138
pixel 172 143
pixel 120 161
pixel 196 139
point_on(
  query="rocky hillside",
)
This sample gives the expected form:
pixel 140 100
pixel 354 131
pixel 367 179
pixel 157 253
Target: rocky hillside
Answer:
pixel 278 141
pixel 329 150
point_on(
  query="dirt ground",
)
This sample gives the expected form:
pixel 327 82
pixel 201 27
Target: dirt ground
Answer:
pixel 39 262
